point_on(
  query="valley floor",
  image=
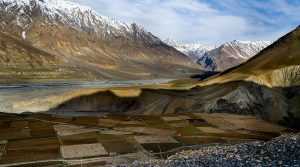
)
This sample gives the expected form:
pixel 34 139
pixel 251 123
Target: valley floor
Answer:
pixel 41 139
pixel 13 93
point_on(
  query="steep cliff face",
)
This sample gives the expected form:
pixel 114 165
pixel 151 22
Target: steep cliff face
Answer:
pixel 90 44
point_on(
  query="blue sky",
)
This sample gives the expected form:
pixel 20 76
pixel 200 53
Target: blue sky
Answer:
pixel 205 21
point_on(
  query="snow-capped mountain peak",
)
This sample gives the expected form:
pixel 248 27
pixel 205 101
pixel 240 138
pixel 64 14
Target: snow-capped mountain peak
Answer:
pixel 64 9
pixel 231 54
pixel 244 49
pixel 71 14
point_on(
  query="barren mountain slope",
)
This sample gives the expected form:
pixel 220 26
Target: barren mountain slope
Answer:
pixel 21 61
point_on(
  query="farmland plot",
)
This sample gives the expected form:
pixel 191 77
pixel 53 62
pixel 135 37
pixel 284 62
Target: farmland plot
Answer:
pixel 83 151
pixel 13 133
pixel 30 155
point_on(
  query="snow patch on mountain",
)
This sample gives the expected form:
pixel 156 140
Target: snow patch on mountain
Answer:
pixel 24 34
pixel 193 50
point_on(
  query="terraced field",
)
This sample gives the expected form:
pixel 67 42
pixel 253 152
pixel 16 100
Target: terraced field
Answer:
pixel 41 139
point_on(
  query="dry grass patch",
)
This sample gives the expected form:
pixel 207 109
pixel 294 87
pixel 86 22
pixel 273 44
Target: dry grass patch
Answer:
pixel 83 138
pixel 42 116
pixel 82 151
pixel 32 143
pixel 64 127
pixel 159 131
pixel 150 120
pixel 184 117
pixel 86 120
pixel 14 133
pixel 217 121
pixel 189 131
pixel 90 164
pixel 113 132
pixel 160 149
pixel 118 143
pixel 107 122
pixel 30 155
pixel 3 141
pixel 41 125
pixel 130 129
pixel 5 124
pixel 181 123
pixel 19 124
pixel 147 130
pixel 137 123
pixel 169 119
pixel 2 147
pixel 67 130
pixel 155 139
pixel 236 139
pixel 233 116
pixel 211 130
pixel 58 163
pixel 258 125
pixel 235 122
pixel 41 133
pixel 268 134
pixel 41 130
pixel 196 140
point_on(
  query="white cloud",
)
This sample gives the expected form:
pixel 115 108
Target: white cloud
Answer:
pixel 183 20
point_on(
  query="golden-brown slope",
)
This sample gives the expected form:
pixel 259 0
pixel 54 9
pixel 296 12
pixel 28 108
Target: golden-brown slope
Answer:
pixel 112 57
pixel 21 61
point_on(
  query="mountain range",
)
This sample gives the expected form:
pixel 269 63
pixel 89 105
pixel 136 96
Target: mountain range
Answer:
pixel 220 58
pixel 81 45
